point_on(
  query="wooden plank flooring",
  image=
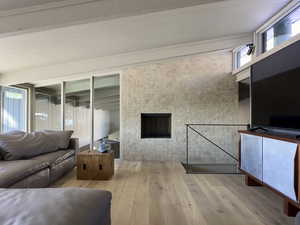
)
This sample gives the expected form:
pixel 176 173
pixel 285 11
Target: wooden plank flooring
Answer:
pixel 160 193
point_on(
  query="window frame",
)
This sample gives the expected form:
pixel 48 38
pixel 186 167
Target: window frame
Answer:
pixel 235 53
pixel 26 113
pixel 258 34
pixel 91 78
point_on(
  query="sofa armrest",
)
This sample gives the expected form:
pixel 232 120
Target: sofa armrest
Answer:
pixel 297 221
pixel 74 144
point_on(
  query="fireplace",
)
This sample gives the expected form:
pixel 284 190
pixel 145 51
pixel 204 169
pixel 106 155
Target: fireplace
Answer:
pixel 156 125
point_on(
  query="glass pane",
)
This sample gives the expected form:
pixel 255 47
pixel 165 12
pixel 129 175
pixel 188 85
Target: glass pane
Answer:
pixel 48 107
pixel 242 56
pixel 14 116
pixel 107 113
pixel 282 31
pixel 269 39
pixel 77 111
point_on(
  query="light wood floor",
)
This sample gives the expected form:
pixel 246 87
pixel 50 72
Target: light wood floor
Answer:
pixel 160 193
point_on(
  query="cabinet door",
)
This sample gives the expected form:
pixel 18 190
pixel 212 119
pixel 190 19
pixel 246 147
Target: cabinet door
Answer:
pixel 251 155
pixel 279 166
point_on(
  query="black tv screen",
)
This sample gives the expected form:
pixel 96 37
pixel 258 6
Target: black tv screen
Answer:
pixel 275 90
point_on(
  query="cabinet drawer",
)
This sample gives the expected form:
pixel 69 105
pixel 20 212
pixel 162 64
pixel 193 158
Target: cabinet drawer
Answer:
pixel 251 155
pixel 279 166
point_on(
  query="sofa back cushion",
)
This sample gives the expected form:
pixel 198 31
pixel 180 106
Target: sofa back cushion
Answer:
pixel 11 135
pixel 20 145
pixel 62 137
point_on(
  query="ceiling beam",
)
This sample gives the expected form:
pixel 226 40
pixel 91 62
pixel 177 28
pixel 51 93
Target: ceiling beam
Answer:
pixel 72 12
pixel 43 7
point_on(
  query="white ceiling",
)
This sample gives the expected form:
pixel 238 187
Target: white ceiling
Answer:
pixel 103 38
pixel 30 15
pixel 161 5
pixel 17 4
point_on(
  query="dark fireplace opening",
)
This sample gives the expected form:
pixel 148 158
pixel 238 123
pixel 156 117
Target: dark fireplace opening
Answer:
pixel 156 125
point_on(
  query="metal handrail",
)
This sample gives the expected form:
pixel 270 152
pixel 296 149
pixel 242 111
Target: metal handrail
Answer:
pixel 189 126
pixel 217 124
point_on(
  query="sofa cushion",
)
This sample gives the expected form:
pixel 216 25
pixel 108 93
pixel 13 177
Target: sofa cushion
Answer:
pixel 55 206
pixel 297 220
pixel 60 169
pixel 11 135
pixel 22 145
pixel 62 137
pixel 14 171
pixel 54 158
pixel 40 179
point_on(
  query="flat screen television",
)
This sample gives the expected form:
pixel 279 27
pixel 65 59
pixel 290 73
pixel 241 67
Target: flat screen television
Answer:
pixel 275 90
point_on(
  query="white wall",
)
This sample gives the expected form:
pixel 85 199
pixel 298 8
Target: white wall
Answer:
pixel 47 115
pixel 106 122
pixel 101 127
pixel 78 120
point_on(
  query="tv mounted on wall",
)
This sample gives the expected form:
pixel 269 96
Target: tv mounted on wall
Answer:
pixel 275 90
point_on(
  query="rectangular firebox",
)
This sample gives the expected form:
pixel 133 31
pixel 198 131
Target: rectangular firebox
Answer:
pixel 156 125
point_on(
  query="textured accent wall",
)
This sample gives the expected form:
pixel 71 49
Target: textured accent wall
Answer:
pixel 195 89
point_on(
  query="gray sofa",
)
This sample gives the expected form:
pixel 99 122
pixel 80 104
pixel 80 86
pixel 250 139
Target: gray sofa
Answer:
pixel 55 206
pixel 39 171
pixel 32 161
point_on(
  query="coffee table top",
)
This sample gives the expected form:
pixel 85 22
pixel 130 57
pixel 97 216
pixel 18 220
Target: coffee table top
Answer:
pixel 94 152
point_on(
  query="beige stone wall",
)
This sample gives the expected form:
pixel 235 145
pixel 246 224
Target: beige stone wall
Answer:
pixel 195 89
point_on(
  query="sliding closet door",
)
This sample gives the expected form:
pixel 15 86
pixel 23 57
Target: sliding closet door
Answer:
pixel 77 110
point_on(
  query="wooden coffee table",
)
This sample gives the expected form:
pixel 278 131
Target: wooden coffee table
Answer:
pixel 94 165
